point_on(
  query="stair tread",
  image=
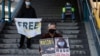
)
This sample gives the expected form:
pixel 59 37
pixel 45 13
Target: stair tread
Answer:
pixel 33 52
pixel 36 46
pixel 43 28
pixel 71 41
pixel 18 36
pixel 58 23
pixel 20 55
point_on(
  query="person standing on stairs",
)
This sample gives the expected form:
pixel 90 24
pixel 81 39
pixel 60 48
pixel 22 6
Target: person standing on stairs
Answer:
pixel 26 12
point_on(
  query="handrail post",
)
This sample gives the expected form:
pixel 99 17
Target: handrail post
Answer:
pixel 3 10
pixel 96 4
pixel 9 10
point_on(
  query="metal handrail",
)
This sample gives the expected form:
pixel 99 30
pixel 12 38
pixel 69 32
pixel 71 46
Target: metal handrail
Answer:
pixel 99 11
pixel 2 24
pixel 16 10
pixel 91 18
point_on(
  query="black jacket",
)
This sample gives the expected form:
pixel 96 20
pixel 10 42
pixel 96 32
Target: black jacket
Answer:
pixel 47 35
pixel 27 12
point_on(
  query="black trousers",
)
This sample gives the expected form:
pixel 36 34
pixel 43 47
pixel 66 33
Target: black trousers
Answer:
pixel 22 40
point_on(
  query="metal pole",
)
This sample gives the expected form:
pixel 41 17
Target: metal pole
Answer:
pixel 97 4
pixel 3 10
pixel 9 10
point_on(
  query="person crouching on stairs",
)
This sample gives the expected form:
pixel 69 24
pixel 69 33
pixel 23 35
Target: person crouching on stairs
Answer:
pixel 51 33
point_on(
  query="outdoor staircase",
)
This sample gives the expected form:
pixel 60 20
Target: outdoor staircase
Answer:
pixel 50 11
pixel 9 40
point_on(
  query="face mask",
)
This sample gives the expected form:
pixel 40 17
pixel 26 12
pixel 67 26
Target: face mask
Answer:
pixel 52 30
pixel 27 3
pixel 61 44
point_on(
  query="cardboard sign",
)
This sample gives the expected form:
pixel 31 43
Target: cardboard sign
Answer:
pixel 55 47
pixel 47 47
pixel 62 47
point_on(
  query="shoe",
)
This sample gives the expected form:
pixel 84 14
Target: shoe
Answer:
pixel 20 47
pixel 29 47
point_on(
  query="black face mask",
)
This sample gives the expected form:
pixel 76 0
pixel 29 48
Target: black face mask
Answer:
pixel 52 31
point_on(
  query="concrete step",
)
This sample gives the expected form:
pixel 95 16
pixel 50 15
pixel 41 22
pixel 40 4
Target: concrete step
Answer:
pixel 13 36
pixel 70 31
pixel 10 31
pixel 16 45
pixel 44 31
pixel 44 27
pixel 65 32
pixel 20 51
pixel 57 23
pixel 36 46
pixel 78 41
pixel 40 55
pixel 71 41
pixel 70 36
pixel 49 20
pixel 11 27
pixel 36 52
pixel 80 53
pixel 19 55
pixel 62 23
pixel 67 24
pixel 67 27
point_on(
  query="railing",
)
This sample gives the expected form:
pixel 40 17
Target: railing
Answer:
pixel 14 13
pixel 95 10
pixel 90 18
pixel 10 8
pixel 97 18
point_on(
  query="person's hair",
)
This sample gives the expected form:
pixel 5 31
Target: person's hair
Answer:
pixel 51 24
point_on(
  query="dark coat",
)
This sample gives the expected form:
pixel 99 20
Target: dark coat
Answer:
pixel 27 12
pixel 47 35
